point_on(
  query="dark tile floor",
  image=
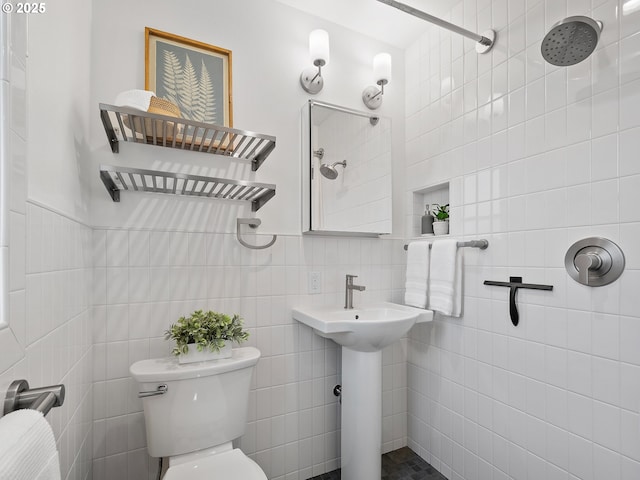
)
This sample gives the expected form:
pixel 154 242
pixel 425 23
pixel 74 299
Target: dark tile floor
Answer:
pixel 402 464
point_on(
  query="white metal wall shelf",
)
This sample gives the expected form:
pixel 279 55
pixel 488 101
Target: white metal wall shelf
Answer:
pixel 116 179
pixel 131 125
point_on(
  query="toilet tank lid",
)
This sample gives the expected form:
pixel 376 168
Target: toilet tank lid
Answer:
pixel 168 368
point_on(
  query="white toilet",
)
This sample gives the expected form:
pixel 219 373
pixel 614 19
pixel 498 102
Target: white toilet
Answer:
pixel 203 408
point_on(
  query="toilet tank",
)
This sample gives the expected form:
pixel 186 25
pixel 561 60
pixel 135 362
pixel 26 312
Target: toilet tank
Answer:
pixel 205 405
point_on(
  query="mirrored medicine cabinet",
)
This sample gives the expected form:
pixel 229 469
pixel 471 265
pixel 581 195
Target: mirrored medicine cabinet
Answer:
pixel 346 171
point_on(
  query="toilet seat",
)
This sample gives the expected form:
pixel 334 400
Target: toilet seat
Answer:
pixel 231 465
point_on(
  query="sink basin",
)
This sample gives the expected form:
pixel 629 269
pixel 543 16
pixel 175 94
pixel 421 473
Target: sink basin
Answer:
pixel 366 329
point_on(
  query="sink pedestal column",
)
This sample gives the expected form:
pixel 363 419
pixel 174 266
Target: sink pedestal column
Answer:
pixel 361 415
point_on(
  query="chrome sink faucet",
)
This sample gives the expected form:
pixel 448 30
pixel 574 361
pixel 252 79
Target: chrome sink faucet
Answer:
pixel 348 292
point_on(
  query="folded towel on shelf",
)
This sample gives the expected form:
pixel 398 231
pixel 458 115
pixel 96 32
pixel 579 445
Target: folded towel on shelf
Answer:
pixel 445 278
pixel 138 99
pixel 27 447
pixel 417 277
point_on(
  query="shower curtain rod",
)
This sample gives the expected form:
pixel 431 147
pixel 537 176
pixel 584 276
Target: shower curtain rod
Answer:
pixel 485 41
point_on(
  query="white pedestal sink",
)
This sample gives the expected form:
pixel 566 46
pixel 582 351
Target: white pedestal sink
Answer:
pixel 363 333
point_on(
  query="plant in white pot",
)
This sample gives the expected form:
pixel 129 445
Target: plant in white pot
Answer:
pixel 441 216
pixel 205 336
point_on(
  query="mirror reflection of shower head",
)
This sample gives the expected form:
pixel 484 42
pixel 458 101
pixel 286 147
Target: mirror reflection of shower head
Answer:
pixel 329 171
pixel 571 41
pixel 319 153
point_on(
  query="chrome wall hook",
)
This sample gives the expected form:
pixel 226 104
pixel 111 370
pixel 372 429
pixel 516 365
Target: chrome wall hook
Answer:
pixel 253 223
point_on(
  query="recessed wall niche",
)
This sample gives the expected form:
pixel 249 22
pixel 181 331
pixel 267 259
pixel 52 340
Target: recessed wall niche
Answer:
pixel 429 195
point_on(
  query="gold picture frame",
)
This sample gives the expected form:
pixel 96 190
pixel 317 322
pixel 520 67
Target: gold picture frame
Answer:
pixel 191 74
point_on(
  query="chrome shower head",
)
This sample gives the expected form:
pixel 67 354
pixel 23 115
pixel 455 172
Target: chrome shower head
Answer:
pixel 329 171
pixel 571 40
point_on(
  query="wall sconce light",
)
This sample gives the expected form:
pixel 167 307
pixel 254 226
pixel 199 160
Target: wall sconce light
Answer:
pixel 371 96
pixel 310 78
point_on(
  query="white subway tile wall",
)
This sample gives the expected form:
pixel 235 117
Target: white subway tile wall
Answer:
pixel 144 280
pixel 56 330
pixel 537 157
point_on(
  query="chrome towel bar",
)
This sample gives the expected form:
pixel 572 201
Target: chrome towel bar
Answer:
pixel 43 399
pixel 481 244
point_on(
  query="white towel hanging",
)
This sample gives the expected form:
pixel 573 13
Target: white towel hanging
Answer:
pixel 417 277
pixel 445 278
pixel 27 447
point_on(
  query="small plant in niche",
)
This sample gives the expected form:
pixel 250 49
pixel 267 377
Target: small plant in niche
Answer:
pixel 205 332
pixel 440 212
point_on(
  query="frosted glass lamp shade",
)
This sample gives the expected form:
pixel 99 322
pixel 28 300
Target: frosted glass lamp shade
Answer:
pixel 382 68
pixel 372 96
pixel 319 47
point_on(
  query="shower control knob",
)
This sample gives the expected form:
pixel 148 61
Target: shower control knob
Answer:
pixel 585 263
pixel 594 261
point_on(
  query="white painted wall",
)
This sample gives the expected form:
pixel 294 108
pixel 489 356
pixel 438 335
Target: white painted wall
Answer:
pixel 59 113
pixel 269 42
pixel 538 157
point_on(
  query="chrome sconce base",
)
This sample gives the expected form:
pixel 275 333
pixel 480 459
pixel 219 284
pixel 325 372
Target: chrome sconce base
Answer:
pixel 372 97
pixel 311 80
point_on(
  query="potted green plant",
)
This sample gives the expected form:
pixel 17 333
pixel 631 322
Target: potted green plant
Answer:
pixel 441 216
pixel 204 336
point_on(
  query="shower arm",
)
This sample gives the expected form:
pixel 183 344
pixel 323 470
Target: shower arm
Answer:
pixel 485 42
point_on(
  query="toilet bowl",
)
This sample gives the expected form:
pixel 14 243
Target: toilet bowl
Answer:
pixel 194 411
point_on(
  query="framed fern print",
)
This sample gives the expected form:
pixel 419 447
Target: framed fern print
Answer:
pixel 191 74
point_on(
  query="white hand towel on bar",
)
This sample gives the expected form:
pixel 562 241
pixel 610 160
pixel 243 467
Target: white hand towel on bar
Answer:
pixel 416 283
pixel 27 447
pixel 445 278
